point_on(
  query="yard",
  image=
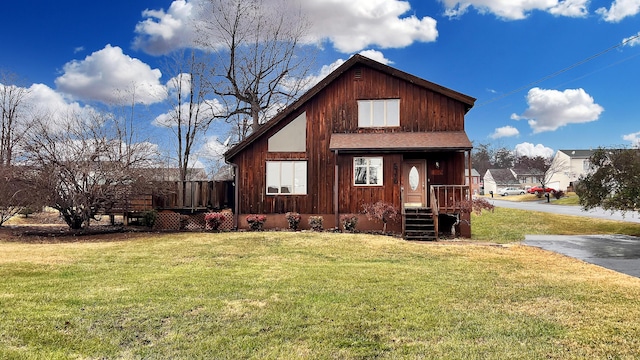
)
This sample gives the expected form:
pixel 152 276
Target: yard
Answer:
pixel 308 295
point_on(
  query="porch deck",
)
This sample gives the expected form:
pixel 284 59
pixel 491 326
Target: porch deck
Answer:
pixel 422 223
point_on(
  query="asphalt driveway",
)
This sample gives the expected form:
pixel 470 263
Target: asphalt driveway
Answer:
pixel 620 253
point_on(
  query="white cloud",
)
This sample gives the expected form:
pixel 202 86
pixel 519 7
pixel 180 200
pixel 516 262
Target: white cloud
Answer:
pixel 357 24
pixel 207 109
pixel 619 10
pixel 108 74
pixel 551 109
pixel 44 101
pixel 349 25
pixel 530 150
pixel 517 9
pixel 161 32
pixel 633 138
pixel 213 149
pixel 377 56
pixel 632 40
pixel 505 131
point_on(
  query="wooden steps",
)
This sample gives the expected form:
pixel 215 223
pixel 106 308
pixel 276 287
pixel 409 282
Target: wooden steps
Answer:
pixel 418 224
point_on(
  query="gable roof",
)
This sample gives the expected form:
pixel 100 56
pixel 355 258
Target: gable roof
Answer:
pixel 354 60
pixel 502 176
pixel 526 171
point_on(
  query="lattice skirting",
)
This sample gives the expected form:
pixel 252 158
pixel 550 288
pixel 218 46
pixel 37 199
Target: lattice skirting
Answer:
pixel 194 222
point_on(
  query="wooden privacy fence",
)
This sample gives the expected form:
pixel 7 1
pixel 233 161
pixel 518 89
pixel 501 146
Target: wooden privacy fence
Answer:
pixel 181 196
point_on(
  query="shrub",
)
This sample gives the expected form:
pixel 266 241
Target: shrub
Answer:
pixel 349 222
pixel 256 221
pixel 149 218
pixel 558 194
pixel 293 218
pixel 477 205
pixel 381 211
pixel 315 222
pixel 214 220
pixel 26 211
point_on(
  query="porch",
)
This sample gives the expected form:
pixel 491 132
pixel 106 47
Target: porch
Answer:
pixel 445 201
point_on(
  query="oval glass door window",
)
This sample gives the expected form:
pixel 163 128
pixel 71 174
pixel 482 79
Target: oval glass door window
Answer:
pixel 414 178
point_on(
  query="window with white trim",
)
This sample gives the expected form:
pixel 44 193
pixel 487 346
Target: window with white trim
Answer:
pixel 287 177
pixel 379 113
pixel 367 171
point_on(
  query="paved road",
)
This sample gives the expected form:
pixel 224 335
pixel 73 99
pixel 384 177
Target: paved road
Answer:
pixel 620 253
pixel 565 210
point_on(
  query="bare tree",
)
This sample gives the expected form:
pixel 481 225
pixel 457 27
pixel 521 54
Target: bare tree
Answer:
pixel 191 112
pixel 86 164
pixel 15 192
pixel 12 115
pixel 258 66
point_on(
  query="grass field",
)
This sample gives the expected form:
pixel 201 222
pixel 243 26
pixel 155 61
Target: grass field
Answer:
pixel 511 225
pixel 282 295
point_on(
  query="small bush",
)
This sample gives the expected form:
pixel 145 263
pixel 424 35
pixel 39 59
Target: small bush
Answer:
pixel 349 222
pixel 293 218
pixel 256 222
pixel 149 218
pixel 558 194
pixel 380 211
pixel 214 220
pixel 26 211
pixel 477 205
pixel 316 223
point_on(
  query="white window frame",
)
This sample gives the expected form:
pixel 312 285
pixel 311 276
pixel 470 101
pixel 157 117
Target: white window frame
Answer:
pixel 286 178
pixel 371 163
pixel 379 113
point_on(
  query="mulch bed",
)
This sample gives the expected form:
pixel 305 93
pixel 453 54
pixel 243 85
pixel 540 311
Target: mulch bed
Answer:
pixel 49 228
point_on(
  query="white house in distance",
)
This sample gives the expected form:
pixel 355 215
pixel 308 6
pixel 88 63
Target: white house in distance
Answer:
pixel 569 165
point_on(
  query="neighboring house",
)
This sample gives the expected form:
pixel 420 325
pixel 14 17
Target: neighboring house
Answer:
pixel 495 179
pixel 528 177
pixel 476 181
pixel 365 133
pixel 568 166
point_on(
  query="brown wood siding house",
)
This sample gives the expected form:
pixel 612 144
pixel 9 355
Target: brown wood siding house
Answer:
pixel 365 133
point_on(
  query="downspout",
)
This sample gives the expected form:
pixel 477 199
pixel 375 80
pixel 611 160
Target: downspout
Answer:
pixel 469 174
pixel 236 194
pixel 335 191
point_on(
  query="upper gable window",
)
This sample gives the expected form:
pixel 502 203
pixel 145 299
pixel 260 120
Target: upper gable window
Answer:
pixel 379 113
pixel 292 137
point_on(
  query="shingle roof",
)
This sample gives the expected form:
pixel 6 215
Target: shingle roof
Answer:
pixel 503 176
pixel 401 141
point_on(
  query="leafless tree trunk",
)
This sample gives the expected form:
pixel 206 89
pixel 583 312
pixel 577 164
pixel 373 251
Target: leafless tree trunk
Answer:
pixel 12 116
pixel 258 66
pixel 191 112
pixel 86 164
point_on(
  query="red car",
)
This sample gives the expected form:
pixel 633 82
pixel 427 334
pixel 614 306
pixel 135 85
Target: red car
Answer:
pixel 539 190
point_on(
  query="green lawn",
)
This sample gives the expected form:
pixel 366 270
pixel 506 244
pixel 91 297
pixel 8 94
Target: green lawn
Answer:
pixel 282 295
pixel 510 225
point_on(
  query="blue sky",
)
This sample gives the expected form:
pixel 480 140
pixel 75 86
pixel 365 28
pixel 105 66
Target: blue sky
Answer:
pixel 547 74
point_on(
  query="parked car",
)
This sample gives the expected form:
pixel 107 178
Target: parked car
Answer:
pixel 539 190
pixel 511 191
